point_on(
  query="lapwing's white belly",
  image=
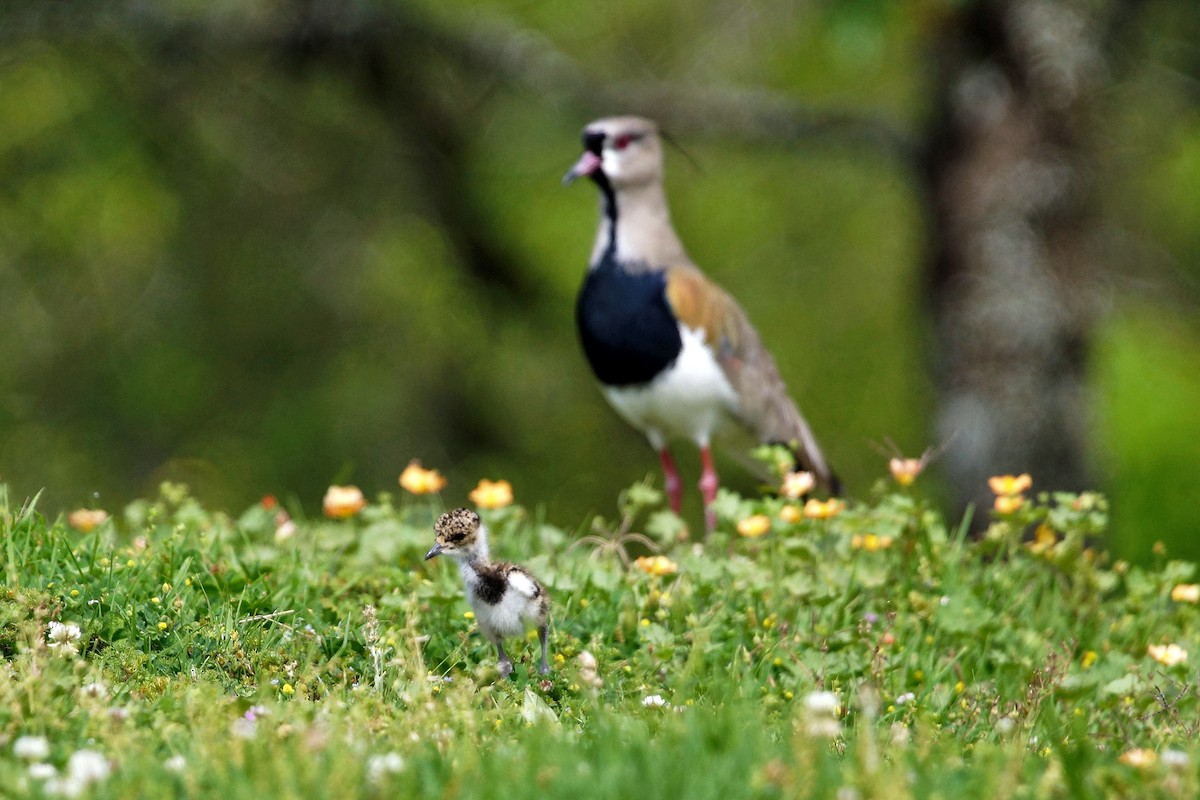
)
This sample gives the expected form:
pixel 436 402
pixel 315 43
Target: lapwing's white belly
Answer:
pixel 691 399
pixel 516 610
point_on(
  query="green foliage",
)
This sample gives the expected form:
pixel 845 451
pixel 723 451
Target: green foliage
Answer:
pixel 876 651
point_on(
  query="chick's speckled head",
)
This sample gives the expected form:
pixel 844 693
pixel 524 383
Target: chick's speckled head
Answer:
pixel 458 531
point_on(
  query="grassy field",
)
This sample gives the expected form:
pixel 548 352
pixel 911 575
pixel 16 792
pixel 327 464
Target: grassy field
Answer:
pixel 867 651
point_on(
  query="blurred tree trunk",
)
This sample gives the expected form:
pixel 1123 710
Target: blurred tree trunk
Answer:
pixel 1013 267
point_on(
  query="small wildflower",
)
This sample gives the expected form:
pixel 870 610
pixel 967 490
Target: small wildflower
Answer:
pixel 1140 757
pixel 162 626
pixel 1007 504
pixel 755 526
pixel 85 520
pixel 31 748
pixel 1186 593
pixel 492 494
pixel 176 763
pixel 268 502
pixel 653 701
pixel 820 712
pixel 1167 654
pixel 1175 759
pixel 906 470
pixel 418 480
pixel 588 670
pixel 285 527
pixel 380 766
pixel 94 691
pixel 1010 485
pixel 244 728
pixel 791 514
pixel 870 542
pixel 343 501
pixel 1043 537
pixel 64 638
pixel 1089 658
pixel 656 565
pixel 468 615
pixel 905 698
pixel 287 689
pixel 816 509
pixel 797 484
pixel 42 772
pixel 960 687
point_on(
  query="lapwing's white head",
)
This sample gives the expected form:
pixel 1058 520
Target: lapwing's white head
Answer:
pixel 624 152
pixel 460 534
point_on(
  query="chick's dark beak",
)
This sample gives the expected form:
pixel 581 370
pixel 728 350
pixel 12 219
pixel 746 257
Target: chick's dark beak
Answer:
pixel 588 163
pixel 433 551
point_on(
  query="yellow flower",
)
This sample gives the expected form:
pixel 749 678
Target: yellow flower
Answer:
pixel 492 494
pixel 906 470
pixel 343 501
pixel 791 514
pixel 816 509
pixel 656 565
pixel 1167 654
pixel 870 542
pixel 418 480
pixel 755 526
pixel 85 519
pixel 797 484
pixel 1089 658
pixel 1186 593
pixel 1139 757
pixel 1008 503
pixel 1009 485
pixel 287 689
pixel 1043 537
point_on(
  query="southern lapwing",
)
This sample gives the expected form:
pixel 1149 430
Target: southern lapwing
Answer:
pixel 506 598
pixel 674 354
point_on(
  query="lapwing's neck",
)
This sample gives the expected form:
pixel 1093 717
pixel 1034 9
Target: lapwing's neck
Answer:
pixel 635 228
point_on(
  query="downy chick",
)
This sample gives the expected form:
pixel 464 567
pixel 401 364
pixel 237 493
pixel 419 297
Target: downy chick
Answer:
pixel 506 598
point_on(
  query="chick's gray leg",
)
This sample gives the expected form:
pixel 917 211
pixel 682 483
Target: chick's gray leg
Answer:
pixel 505 666
pixel 542 636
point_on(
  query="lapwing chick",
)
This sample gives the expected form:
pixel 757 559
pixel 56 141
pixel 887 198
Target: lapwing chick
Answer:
pixel 506 598
pixel 674 354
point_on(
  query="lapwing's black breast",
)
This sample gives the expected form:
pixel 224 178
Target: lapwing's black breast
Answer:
pixel 491 586
pixel 628 332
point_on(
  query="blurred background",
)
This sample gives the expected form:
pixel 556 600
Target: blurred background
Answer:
pixel 265 246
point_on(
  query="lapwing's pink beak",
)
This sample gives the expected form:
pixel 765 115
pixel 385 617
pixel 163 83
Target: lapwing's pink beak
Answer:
pixel 588 163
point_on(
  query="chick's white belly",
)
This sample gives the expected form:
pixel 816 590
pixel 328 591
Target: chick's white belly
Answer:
pixel 691 399
pixel 505 619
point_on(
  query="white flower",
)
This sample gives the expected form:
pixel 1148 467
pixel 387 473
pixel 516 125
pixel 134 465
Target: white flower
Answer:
pixel 821 702
pixel 41 772
pixel 244 728
pixel 33 748
pixel 1175 759
pixel 820 715
pixel 94 691
pixel 175 763
pixel 1005 725
pixel 905 698
pixel 65 786
pixel 88 766
pixel 653 701
pixel 63 638
pixel 383 764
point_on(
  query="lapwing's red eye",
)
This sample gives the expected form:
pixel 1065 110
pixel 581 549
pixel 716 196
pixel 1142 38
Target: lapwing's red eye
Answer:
pixel 623 141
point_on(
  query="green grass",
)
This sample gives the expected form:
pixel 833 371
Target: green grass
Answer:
pixel 337 663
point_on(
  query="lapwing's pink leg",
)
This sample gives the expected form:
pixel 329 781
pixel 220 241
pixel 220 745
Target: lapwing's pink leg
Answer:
pixel 671 481
pixel 708 487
